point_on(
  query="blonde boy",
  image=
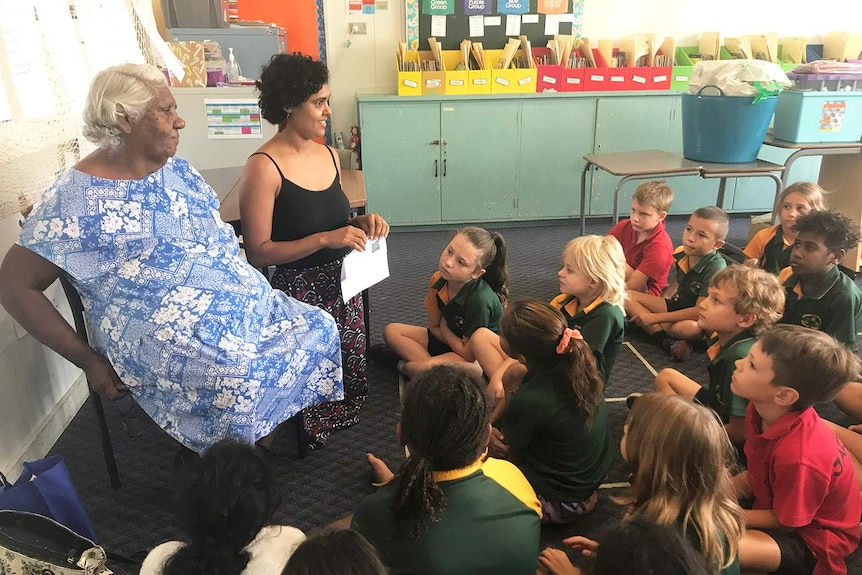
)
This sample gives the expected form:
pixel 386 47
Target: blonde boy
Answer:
pixel 697 260
pixel 805 516
pixel 742 302
pixel 646 244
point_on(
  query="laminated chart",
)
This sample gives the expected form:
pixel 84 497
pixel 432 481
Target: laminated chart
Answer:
pixel 233 118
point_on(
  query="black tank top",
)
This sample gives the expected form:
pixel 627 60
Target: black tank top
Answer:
pixel 299 212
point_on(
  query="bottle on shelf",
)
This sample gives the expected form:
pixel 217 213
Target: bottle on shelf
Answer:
pixel 233 72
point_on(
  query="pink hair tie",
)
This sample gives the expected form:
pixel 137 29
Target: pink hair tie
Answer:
pixel 568 335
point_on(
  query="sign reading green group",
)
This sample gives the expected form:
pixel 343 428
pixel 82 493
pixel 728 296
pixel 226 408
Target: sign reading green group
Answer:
pixel 438 7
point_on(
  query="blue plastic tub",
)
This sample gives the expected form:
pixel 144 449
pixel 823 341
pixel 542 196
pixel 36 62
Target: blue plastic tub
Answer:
pixel 724 129
pixel 818 116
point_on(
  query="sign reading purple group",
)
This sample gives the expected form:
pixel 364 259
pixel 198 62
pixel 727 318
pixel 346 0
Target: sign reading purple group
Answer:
pixel 513 6
pixel 438 7
pixel 478 7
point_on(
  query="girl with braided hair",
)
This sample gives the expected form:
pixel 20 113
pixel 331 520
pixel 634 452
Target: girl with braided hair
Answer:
pixel 556 424
pixel 450 509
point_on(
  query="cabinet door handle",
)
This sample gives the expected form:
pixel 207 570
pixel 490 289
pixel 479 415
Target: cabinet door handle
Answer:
pixel 435 168
pixel 434 143
pixel 444 167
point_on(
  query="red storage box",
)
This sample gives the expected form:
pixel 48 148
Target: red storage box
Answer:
pixel 573 79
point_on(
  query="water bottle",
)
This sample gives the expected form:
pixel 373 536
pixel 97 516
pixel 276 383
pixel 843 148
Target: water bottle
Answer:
pixel 233 72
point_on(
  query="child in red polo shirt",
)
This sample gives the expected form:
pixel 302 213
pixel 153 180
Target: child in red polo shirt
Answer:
pixel 646 244
pixel 805 517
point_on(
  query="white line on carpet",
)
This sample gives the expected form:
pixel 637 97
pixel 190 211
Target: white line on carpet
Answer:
pixel 640 357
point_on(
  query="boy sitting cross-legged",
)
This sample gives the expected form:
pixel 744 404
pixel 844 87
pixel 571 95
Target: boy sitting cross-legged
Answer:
pixel 697 260
pixel 805 517
pixel 647 246
pixel 742 302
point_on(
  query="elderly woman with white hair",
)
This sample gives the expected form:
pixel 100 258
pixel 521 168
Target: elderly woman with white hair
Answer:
pixel 178 317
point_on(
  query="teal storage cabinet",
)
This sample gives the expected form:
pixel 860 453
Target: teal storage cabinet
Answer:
pixel 479 145
pixel 401 161
pixel 508 158
pixel 556 133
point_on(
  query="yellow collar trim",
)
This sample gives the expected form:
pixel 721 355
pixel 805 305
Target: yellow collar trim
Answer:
pixel 453 474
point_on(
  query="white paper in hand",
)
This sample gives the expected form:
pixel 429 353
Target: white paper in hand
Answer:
pixel 361 270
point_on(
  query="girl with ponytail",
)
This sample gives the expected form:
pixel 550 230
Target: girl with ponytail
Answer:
pixel 225 502
pixel 466 293
pixel 450 509
pixel 556 423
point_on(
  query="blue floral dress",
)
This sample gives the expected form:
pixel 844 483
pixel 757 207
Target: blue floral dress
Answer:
pixel 207 347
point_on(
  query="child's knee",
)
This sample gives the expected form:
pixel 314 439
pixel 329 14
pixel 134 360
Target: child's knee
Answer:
pixel 664 379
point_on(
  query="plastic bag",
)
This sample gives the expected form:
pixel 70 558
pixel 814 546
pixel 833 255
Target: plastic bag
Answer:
pixel 756 78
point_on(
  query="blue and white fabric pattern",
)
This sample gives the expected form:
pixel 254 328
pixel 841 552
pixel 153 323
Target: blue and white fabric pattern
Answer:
pixel 207 347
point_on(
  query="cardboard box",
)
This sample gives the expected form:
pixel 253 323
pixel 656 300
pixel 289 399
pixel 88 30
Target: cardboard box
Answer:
pixel 191 54
pixel 511 80
pixel 410 83
pixel 549 77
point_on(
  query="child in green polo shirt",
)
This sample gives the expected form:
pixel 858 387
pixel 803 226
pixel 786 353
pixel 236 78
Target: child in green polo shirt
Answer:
pixel 742 302
pixel 820 293
pixel 697 260
pixel 555 426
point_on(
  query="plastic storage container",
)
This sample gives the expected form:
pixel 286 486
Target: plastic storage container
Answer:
pixel 827 82
pixel 724 129
pixel 818 116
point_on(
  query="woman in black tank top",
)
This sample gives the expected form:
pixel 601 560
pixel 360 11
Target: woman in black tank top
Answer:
pixel 296 217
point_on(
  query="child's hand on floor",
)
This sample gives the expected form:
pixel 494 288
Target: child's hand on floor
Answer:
pixel 587 547
pixel 556 562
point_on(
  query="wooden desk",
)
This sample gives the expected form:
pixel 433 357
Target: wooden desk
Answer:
pixel 352 182
pixel 657 164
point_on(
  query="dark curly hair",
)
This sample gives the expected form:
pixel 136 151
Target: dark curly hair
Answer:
pixel 837 230
pixel 222 502
pixel 287 81
pixel 444 422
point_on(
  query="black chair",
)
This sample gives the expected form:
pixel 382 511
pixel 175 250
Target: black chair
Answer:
pixel 77 307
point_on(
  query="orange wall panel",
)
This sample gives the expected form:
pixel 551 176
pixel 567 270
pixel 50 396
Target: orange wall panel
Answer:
pixel 298 17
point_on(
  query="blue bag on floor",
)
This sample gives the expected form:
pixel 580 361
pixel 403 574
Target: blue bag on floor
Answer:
pixel 45 488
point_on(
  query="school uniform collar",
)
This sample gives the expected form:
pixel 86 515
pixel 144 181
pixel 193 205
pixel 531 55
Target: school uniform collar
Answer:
pixel 682 260
pixel 783 425
pixel 465 291
pixel 460 473
pixel 778 237
pixel 716 349
pixel 655 231
pixel 571 303
pixel 829 280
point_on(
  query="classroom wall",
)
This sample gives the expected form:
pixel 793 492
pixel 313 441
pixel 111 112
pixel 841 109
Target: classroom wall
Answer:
pixel 369 62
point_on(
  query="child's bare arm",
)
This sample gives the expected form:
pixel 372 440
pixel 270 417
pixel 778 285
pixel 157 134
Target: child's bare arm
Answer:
pixel 742 486
pixel 763 519
pixel 688 313
pixel 636 280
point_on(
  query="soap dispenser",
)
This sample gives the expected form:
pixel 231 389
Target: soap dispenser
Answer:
pixel 233 71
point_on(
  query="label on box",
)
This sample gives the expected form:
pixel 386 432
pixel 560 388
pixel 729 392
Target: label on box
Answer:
pixel 456 82
pixel 832 116
pixel 660 79
pixel 617 79
pixel 549 80
pixel 411 83
pixel 573 80
pixel 480 81
pixel 432 83
pixel 680 78
pixel 526 80
pixel 502 81
pixel 597 78
pixel 639 79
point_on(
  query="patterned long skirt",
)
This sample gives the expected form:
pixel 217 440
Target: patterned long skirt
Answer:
pixel 321 286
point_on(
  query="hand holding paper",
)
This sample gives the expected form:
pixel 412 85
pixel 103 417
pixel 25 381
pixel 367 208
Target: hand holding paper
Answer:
pixel 361 270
